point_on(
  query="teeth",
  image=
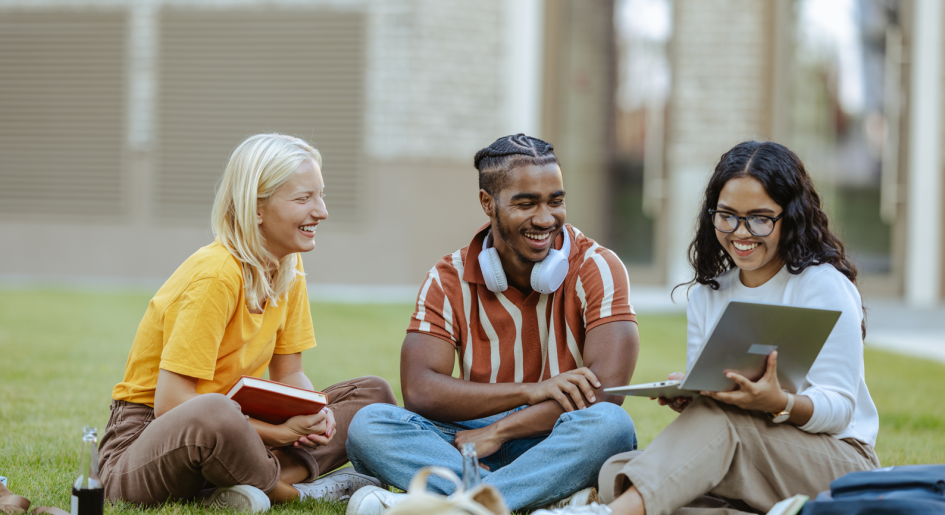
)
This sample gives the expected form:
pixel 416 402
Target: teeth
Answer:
pixel 741 246
pixel 307 228
pixel 538 237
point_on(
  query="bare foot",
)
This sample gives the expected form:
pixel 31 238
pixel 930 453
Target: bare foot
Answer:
pixel 13 504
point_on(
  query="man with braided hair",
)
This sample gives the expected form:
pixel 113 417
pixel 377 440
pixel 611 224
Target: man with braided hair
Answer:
pixel 541 319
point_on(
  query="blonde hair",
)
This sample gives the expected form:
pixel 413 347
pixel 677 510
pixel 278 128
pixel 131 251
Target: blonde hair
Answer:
pixel 257 168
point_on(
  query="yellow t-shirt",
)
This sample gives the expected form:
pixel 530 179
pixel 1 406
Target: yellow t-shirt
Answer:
pixel 198 325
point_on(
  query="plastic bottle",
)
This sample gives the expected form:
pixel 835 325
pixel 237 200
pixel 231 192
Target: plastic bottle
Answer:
pixel 471 477
pixel 88 494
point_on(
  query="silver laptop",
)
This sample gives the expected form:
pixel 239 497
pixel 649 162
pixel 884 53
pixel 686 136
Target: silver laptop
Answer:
pixel 741 341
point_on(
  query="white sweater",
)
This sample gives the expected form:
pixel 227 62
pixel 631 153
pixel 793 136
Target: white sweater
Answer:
pixel 836 383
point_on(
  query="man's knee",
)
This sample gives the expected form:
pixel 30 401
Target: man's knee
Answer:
pixel 369 423
pixel 606 415
pixel 607 426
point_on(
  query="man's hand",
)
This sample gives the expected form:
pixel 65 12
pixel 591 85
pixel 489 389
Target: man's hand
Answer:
pixel 762 395
pixel 569 389
pixel 487 441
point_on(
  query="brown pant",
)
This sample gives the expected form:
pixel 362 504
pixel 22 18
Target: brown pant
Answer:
pixel 207 442
pixel 742 460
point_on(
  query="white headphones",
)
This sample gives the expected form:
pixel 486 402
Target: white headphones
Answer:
pixel 547 274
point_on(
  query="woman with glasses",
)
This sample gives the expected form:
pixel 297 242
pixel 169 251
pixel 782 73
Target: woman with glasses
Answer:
pixel 762 237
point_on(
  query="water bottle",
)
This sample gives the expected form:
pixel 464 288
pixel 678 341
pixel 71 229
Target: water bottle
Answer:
pixel 88 494
pixel 471 477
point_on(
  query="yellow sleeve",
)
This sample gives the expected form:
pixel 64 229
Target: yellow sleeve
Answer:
pixel 194 326
pixel 297 334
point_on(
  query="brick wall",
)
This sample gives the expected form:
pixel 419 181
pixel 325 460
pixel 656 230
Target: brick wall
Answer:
pixel 722 63
pixel 721 59
pixel 436 78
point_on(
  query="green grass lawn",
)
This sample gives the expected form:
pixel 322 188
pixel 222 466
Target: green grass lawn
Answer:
pixel 62 352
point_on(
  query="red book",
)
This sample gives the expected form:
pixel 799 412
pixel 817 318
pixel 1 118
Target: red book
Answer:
pixel 274 402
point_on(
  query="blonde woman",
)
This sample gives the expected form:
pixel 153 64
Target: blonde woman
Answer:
pixel 235 307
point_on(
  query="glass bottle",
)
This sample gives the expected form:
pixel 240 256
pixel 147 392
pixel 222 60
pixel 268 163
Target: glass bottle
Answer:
pixel 88 494
pixel 471 477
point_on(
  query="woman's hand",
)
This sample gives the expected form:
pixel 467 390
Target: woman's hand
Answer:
pixel 312 430
pixel 679 403
pixel 303 430
pixel 765 394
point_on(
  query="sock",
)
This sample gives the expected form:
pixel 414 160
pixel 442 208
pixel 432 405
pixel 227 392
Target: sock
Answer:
pixel 302 495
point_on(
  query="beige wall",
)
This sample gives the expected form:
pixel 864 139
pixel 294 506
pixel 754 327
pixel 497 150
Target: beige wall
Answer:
pixel 404 234
pixel 418 212
pixel 397 95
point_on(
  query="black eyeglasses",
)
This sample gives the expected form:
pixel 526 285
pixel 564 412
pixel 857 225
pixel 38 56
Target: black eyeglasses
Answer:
pixel 759 225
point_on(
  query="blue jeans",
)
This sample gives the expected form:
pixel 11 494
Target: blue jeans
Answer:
pixel 392 444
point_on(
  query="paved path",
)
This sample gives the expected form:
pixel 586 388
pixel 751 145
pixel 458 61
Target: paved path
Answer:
pixel 894 326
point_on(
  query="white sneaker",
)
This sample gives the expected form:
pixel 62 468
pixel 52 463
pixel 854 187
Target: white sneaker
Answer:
pixel 579 498
pixel 588 509
pixel 372 500
pixel 336 486
pixel 243 498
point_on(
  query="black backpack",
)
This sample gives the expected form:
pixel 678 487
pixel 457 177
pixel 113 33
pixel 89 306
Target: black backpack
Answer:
pixel 908 490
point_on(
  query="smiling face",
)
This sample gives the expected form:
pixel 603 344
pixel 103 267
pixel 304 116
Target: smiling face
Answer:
pixel 527 215
pixel 756 257
pixel 288 218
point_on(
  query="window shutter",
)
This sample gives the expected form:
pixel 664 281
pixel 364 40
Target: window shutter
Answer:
pixel 226 75
pixel 62 98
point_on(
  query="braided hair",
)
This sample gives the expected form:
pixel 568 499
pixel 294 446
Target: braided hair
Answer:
pixel 495 162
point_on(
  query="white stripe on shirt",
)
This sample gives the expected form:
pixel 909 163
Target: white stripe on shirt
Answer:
pixel 582 296
pixel 517 321
pixel 572 345
pixel 421 303
pixel 553 369
pixel 540 310
pixel 493 341
pixel 468 353
pixel 608 280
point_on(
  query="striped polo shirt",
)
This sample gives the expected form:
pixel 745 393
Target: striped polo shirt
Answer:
pixel 512 337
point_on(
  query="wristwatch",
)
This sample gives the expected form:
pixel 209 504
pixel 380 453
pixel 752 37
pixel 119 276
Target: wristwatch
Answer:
pixel 784 414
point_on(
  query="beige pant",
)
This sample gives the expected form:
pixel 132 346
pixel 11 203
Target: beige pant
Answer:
pixel 742 460
pixel 207 442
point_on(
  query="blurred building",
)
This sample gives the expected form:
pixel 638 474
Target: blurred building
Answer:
pixel 853 86
pixel 117 118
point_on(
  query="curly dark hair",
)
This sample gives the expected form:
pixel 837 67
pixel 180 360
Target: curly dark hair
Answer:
pixel 806 238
